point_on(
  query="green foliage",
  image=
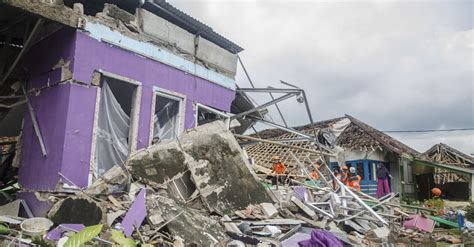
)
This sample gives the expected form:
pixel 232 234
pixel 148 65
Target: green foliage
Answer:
pixel 84 236
pixel 39 241
pixel 437 204
pixel 121 240
pixel 4 229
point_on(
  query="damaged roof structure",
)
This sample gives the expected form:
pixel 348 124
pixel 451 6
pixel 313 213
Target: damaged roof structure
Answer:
pixel 124 119
pixel 363 145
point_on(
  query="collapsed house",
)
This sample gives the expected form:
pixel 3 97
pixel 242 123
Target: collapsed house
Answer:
pixel 108 116
pixel 86 83
pixel 363 148
pixel 448 169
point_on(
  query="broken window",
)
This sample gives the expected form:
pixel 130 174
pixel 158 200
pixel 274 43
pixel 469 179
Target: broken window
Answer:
pixel 114 119
pixel 207 114
pixel 166 117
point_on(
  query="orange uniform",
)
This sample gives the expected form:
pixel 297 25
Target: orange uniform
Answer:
pixel 344 178
pixel 279 168
pixel 354 182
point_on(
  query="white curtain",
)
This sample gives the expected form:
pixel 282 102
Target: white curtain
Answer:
pixel 112 133
pixel 166 121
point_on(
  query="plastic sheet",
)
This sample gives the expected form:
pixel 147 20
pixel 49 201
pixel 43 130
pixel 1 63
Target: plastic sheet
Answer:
pixel 113 127
pixel 165 121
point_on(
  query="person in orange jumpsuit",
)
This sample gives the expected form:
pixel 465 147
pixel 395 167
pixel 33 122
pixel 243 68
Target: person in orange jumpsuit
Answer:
pixel 278 170
pixel 315 173
pixel 354 179
pixel 345 175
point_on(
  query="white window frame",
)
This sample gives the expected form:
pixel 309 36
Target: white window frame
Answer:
pixel 181 98
pixel 210 109
pixel 134 116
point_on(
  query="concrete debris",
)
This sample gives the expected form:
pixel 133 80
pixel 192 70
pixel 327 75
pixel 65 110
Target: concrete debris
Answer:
pixel 76 210
pixel 113 180
pixel 215 160
pixel 199 191
pixel 268 209
pixel 10 209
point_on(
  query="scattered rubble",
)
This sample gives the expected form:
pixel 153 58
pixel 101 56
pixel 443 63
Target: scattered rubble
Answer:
pixel 201 190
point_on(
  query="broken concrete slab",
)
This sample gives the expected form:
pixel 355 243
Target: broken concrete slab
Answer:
pixel 10 209
pixel 190 224
pixel 274 231
pixel 303 207
pixel 230 226
pixel 76 210
pixel 268 209
pixel 217 164
pixel 381 232
pixel 158 163
pixel 112 180
pixel 219 169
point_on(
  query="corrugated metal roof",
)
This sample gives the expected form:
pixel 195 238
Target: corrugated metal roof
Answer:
pixel 167 11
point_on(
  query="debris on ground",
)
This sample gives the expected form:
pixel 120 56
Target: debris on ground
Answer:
pixel 201 190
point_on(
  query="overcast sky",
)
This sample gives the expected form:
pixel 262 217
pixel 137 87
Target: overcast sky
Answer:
pixel 396 65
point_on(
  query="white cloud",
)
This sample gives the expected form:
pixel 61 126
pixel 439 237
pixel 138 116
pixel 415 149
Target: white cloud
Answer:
pixel 393 64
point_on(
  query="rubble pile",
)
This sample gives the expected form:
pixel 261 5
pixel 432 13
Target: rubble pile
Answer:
pixel 201 190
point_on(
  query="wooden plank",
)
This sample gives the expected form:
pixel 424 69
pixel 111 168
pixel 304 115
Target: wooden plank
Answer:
pixel 276 222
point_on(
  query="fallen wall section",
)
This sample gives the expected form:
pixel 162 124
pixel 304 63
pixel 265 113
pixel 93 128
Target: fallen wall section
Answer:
pixel 218 167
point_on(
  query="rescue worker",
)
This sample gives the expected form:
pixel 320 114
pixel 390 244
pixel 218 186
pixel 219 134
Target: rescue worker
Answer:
pixel 354 179
pixel 436 202
pixel 436 193
pixel 315 173
pixel 345 175
pixel 278 170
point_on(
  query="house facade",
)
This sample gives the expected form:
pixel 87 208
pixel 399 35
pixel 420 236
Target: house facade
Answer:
pixel 104 83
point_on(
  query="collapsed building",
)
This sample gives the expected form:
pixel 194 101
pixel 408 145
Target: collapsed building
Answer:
pixel 414 173
pixel 108 116
pixel 90 82
pixel 363 145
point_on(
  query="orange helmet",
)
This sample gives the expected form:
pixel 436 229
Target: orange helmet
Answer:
pixel 436 192
pixel 275 158
pixel 345 168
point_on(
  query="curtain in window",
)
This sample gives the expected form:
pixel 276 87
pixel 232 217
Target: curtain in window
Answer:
pixel 113 127
pixel 165 121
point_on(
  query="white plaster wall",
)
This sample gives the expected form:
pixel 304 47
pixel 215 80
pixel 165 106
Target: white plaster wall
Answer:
pixel 169 33
pixel 216 55
pixel 360 155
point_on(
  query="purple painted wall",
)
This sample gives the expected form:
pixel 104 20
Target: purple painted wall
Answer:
pixel 65 111
pixel 38 207
pixel 94 55
pixel 78 136
pixel 50 104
